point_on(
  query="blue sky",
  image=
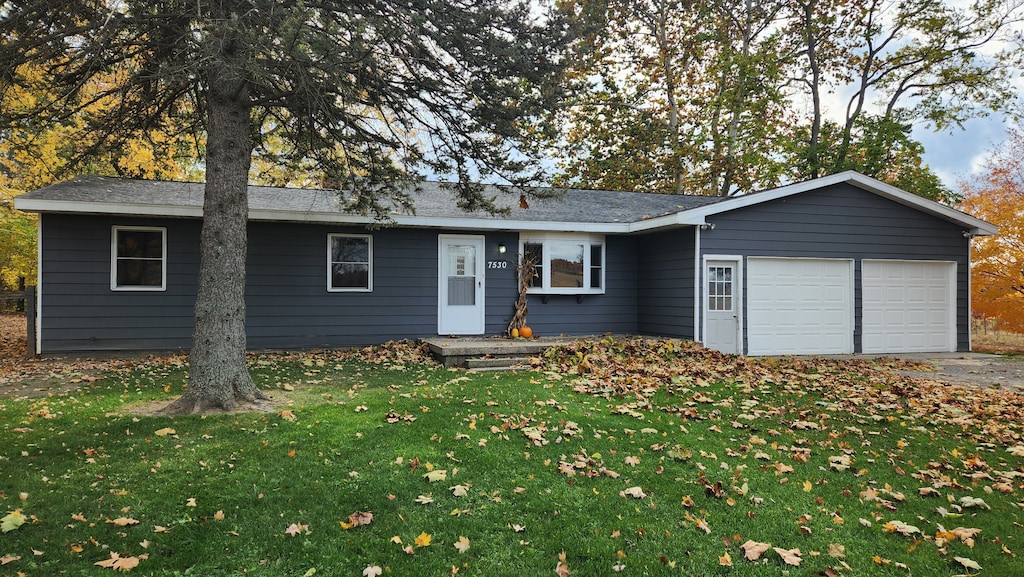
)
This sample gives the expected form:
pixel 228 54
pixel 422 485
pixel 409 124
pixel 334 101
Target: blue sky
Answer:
pixel 954 154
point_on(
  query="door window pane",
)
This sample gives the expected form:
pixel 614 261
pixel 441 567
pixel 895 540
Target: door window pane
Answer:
pixel 461 275
pixel 462 260
pixel 720 288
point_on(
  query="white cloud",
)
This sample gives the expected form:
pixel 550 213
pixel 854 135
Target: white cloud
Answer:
pixel 960 153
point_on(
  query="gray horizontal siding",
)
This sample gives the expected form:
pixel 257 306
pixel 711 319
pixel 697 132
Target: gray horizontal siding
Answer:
pixel 81 313
pixel 665 286
pixel 287 301
pixel 502 286
pixel 844 221
pixel 288 304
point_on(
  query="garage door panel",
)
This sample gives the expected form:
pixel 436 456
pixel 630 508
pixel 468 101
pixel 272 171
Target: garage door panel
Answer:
pixel 799 306
pixel 908 306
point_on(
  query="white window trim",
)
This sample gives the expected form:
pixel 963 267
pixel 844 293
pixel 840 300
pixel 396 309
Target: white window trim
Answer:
pixel 546 239
pixel 113 259
pixel 330 263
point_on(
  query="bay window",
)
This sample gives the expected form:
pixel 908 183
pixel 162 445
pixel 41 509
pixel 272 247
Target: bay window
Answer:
pixel 565 263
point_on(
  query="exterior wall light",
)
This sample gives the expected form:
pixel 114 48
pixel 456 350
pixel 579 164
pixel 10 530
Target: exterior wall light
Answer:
pixel 501 248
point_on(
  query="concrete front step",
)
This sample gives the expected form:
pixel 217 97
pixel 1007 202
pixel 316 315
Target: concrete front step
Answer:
pixel 497 363
pixel 454 352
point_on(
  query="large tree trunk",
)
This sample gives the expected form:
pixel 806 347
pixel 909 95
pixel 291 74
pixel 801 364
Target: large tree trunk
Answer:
pixel 218 376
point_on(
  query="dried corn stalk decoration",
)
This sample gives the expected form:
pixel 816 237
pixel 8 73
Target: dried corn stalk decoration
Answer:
pixel 526 271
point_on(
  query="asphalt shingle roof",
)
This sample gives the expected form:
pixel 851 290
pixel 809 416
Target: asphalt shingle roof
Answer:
pixel 435 206
pixel 431 200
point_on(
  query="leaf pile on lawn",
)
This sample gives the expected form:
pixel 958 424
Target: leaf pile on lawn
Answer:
pixel 641 367
pixel 68 374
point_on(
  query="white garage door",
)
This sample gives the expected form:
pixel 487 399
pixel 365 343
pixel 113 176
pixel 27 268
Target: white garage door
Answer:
pixel 799 306
pixel 909 306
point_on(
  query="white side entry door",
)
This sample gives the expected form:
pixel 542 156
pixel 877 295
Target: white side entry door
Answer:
pixel 722 306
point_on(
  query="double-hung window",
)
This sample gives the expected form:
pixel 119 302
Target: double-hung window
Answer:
pixel 349 262
pixel 564 263
pixel 138 258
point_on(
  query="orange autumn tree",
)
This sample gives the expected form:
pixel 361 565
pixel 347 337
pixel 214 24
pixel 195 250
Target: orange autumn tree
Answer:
pixel 997 195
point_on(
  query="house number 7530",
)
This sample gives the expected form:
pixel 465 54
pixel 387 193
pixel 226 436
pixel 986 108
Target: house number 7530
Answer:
pixel 497 264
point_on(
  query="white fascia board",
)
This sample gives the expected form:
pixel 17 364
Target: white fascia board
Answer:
pixel 78 207
pixel 676 220
pixel 515 225
pixel 312 217
pixel 497 224
pixel 157 210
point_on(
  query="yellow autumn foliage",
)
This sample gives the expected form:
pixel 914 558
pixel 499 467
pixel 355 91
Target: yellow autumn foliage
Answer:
pixel 45 151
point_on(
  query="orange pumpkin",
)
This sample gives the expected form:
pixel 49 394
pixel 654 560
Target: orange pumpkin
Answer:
pixel 526 332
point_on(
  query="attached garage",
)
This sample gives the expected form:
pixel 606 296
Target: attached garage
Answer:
pixel 908 306
pixel 799 306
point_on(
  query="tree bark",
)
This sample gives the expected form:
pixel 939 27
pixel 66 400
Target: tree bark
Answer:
pixel 218 376
pixel 659 24
pixel 811 37
pixel 739 101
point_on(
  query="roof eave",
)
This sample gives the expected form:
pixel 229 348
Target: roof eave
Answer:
pixel 676 220
pixel 414 221
pixel 683 218
pixel 265 215
pixel 78 207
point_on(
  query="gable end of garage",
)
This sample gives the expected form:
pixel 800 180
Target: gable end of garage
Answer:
pixel 844 223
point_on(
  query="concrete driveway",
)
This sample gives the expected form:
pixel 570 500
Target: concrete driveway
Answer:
pixel 978 369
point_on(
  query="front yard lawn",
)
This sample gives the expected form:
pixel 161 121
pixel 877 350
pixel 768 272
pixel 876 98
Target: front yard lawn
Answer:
pixel 632 457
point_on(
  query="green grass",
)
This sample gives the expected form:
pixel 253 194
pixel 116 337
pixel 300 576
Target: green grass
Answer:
pixel 502 437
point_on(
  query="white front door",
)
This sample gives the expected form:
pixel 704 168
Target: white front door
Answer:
pixel 721 306
pixel 461 285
